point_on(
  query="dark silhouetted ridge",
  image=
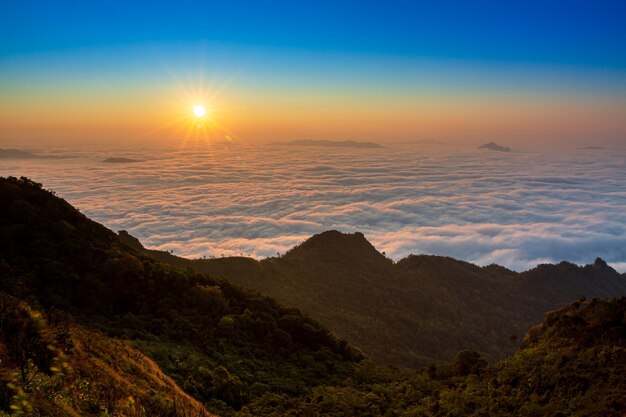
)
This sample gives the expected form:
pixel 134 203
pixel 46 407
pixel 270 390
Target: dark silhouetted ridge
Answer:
pixel 197 328
pixel 336 246
pixel 419 310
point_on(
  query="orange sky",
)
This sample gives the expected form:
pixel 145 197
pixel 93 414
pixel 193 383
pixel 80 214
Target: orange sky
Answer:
pixel 129 95
pixel 259 118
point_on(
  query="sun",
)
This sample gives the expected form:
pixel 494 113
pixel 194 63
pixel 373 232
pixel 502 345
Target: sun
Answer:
pixel 197 113
pixel 199 110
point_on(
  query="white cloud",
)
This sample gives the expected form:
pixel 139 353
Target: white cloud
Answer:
pixel 515 209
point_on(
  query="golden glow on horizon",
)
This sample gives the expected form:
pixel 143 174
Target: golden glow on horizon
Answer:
pixel 193 114
pixel 194 96
pixel 168 113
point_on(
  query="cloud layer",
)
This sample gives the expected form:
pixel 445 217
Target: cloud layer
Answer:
pixel 514 209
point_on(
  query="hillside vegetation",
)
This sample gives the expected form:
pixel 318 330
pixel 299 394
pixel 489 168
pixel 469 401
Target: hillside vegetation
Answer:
pixel 224 346
pixel 60 369
pixel 573 364
pixel 414 312
pixel 90 326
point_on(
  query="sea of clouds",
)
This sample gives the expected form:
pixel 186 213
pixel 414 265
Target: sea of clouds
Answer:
pixel 516 209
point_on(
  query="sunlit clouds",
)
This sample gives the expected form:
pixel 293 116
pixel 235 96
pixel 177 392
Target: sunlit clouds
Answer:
pixel 516 209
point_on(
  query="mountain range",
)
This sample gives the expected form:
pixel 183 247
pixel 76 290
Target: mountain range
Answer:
pixel 93 324
pixel 414 312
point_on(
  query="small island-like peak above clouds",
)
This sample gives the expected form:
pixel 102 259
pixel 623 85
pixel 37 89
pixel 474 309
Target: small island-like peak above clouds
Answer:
pixel 24 154
pixel 17 154
pixel 492 146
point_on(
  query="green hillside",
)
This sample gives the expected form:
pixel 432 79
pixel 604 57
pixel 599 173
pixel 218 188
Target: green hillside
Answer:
pixel 92 327
pixel 419 310
pixel 219 343
pixel 573 364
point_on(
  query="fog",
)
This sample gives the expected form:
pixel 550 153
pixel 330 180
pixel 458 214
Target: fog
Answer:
pixel 517 209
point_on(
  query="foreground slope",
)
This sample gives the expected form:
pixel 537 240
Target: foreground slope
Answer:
pixel 419 310
pixel 86 373
pixel 574 363
pixel 222 345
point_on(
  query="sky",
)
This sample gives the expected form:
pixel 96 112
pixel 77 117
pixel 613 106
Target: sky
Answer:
pixel 543 73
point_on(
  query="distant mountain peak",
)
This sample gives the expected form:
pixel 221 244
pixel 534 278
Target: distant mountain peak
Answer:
pixel 601 266
pixel 336 234
pixel 17 154
pixel 492 146
pixel 336 237
pixel 333 244
pixel 600 262
pixel 22 154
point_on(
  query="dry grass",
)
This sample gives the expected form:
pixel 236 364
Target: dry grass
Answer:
pixel 110 378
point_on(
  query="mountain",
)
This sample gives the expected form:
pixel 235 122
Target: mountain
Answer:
pixel 329 143
pixel 224 346
pixel 17 154
pixel 573 364
pixel 21 154
pixel 492 146
pixel 90 326
pixel 420 310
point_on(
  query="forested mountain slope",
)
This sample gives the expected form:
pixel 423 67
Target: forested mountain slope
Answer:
pixel 573 364
pixel 89 326
pixel 419 310
pixel 224 346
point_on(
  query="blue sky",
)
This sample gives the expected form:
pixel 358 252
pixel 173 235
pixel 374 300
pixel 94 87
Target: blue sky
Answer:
pixel 590 33
pixel 394 70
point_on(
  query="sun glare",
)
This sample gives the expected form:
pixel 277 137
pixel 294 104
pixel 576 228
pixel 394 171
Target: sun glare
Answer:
pixel 199 110
pixel 195 116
